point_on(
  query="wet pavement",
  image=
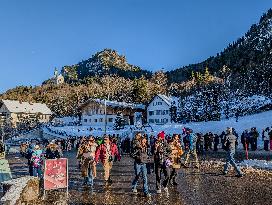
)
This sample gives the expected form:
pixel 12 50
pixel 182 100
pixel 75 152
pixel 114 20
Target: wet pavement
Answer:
pixel 203 186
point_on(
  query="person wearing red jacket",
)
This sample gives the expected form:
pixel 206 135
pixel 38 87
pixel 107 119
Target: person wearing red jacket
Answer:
pixel 107 153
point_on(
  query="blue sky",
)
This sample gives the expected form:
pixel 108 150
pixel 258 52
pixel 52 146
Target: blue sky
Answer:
pixel 37 35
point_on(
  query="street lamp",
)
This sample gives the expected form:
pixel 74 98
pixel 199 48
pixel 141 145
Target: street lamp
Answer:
pixel 108 98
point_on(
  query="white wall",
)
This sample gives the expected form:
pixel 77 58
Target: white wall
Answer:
pixel 158 105
pixel 98 120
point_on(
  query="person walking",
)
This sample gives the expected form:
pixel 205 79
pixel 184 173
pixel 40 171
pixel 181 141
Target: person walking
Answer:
pixel 37 161
pixel 245 139
pixel 107 152
pixel 141 158
pixel 254 138
pixel 216 142
pixel 192 150
pixel 160 160
pixel 266 139
pixel 230 147
pixel 86 154
pixel 175 155
pixel 28 155
pixel 270 138
pixel 52 151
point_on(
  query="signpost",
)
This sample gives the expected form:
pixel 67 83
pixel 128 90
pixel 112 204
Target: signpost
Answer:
pixel 56 174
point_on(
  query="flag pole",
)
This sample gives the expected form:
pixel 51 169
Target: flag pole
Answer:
pixel 246 151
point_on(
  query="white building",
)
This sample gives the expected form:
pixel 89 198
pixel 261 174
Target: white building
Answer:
pixel 158 110
pixel 93 112
pixel 58 78
pixel 16 112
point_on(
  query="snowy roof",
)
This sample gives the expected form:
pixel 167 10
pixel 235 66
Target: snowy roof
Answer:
pixel 168 99
pixel 26 107
pixel 117 104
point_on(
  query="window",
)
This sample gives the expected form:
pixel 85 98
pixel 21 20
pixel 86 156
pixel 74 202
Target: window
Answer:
pixel 166 120
pixel 90 120
pixel 157 120
pixel 95 120
pixel 85 120
pixel 151 113
pixel 158 112
pixel 159 103
pixel 110 119
pixel 151 120
pixel 167 112
pixel 101 120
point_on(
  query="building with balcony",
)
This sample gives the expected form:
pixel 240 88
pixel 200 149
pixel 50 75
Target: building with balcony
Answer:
pixel 14 113
pixel 98 112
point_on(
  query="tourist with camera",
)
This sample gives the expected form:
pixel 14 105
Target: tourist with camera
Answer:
pixel 107 152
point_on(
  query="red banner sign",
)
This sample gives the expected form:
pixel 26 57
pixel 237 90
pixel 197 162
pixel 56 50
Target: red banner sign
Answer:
pixel 56 174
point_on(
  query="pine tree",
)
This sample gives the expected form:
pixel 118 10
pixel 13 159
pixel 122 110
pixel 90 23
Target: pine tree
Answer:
pixel 119 122
pixel 207 75
pixel 199 78
pixel 173 112
pixel 193 76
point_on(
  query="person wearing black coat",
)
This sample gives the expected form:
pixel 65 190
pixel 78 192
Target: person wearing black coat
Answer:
pixel 52 151
pixel 141 157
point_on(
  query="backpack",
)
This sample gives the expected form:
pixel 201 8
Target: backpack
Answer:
pixel 226 145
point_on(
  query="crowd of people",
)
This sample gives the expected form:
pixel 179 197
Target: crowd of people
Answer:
pixel 213 142
pixel 162 155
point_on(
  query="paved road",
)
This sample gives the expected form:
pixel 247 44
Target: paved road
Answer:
pixel 204 186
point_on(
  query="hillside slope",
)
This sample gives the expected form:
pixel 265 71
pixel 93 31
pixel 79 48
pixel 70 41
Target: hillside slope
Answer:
pixel 106 62
pixel 248 59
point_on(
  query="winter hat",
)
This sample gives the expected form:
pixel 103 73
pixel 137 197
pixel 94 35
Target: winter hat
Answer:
pixel 161 135
pixel 106 137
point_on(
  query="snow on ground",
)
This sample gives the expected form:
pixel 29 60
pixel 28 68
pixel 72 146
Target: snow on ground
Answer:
pixel 247 166
pixel 254 163
pixel 84 131
pixel 260 121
